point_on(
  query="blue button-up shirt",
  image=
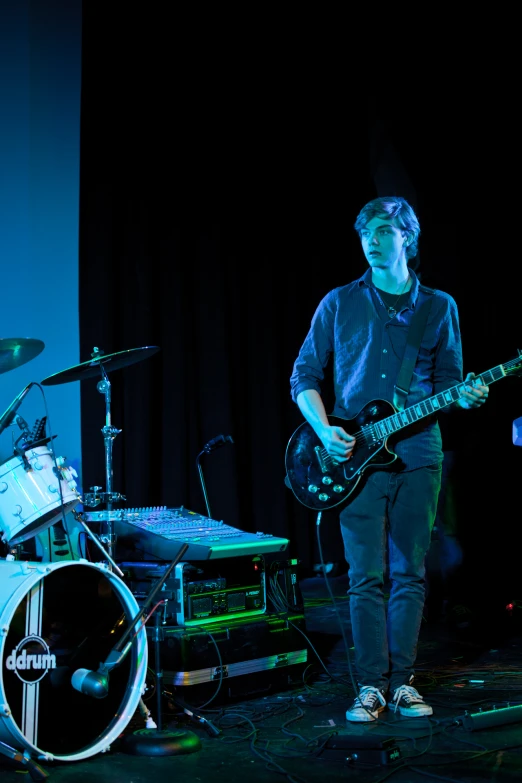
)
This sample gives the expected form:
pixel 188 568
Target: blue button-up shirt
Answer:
pixel 351 328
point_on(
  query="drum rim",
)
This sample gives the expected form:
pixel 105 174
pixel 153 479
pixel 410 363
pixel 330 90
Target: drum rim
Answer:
pixel 61 508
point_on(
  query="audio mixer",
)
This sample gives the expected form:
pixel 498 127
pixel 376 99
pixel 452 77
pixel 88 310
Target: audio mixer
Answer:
pixel 158 532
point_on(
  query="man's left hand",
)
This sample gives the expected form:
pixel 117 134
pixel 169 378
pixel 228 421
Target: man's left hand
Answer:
pixel 474 395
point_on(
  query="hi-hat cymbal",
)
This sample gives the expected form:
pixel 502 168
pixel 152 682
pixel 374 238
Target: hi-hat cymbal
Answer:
pixel 110 362
pixel 15 351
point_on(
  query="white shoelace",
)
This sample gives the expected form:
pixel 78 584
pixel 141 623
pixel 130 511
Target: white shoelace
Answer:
pixel 409 693
pixel 365 696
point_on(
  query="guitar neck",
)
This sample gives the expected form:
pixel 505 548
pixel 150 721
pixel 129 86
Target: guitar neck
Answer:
pixel 404 418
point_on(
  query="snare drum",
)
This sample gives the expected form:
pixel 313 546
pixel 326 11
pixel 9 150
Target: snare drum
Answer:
pixel 34 493
pixel 56 618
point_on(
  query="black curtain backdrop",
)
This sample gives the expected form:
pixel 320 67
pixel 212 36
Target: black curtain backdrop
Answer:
pixel 218 193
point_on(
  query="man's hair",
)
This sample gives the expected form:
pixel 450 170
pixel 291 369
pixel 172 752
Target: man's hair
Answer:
pixel 392 207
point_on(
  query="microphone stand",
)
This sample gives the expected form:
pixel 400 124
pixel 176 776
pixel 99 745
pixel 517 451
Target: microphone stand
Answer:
pixel 154 741
pixel 157 741
pixel 220 440
pixel 195 718
pixel 8 416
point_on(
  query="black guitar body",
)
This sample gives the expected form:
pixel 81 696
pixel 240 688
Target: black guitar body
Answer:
pixel 320 483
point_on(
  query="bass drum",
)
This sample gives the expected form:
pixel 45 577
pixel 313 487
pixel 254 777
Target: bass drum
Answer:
pixel 56 618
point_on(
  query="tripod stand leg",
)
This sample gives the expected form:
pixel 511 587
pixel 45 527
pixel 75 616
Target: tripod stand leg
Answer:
pixel 98 544
pixel 146 713
pixel 35 770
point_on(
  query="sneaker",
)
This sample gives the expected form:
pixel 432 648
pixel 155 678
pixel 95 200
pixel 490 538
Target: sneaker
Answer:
pixel 408 701
pixel 367 706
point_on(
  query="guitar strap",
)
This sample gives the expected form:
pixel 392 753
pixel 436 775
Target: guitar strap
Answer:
pixel 415 332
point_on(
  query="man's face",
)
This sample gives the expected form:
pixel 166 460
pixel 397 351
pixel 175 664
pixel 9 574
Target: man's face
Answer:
pixel 383 242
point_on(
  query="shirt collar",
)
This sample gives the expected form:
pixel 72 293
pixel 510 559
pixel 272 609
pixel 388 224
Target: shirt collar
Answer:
pixel 366 280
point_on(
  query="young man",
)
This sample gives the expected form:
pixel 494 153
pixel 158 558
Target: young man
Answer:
pixel 362 327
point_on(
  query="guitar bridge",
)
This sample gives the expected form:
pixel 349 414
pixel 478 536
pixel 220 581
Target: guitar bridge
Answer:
pixel 326 463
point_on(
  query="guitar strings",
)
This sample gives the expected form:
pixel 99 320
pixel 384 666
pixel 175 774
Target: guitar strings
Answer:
pixel 360 437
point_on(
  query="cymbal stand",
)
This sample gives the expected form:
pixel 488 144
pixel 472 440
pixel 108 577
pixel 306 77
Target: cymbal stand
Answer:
pixel 109 434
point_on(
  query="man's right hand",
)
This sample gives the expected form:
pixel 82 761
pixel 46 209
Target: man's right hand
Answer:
pixel 337 443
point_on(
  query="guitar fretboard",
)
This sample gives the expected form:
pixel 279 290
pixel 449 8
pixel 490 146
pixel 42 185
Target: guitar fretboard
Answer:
pixel 382 429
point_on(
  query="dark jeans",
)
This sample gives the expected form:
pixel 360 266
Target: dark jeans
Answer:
pixel 396 510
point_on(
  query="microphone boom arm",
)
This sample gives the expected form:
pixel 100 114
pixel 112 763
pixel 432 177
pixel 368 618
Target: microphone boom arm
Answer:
pixel 122 646
pixel 8 415
pixel 96 684
pixel 113 659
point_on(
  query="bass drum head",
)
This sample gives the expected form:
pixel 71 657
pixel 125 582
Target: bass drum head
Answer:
pixel 61 617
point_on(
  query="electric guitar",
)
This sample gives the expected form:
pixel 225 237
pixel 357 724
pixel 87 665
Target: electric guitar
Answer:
pixel 321 483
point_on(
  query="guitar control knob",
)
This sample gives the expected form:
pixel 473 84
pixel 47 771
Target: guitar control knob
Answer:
pixel 323 497
pixel 338 488
pixel 312 488
pixel 327 480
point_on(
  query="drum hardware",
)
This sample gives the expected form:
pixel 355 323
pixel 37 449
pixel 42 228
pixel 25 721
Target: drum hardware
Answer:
pixel 35 770
pixel 99 364
pixel 15 552
pixel 28 438
pixel 79 519
pixel 15 351
pixel 109 433
pixel 62 541
pixel 35 437
pixel 54 545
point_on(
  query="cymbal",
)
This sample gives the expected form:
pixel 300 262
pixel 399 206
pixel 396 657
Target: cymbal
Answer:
pixel 110 362
pixel 15 351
